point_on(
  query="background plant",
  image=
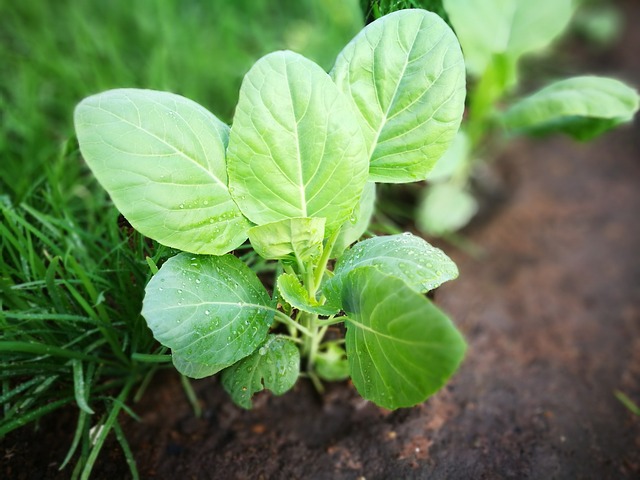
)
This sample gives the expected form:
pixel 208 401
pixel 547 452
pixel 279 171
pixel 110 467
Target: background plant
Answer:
pixel 495 35
pixel 290 175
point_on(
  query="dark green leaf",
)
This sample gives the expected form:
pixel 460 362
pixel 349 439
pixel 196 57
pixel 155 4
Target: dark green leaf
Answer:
pixel 274 366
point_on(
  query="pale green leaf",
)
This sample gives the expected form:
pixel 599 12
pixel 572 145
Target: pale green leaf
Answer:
pixel 453 160
pixel 400 347
pixel 358 221
pixel 161 157
pixel 408 257
pixel 582 107
pixel 301 237
pixel 445 208
pixel 487 28
pixel 331 363
pixel 211 311
pixel 295 149
pixel 405 74
pixel 274 366
pixel 298 297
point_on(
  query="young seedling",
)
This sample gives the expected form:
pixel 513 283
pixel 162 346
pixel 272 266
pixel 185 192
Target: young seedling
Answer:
pixel 295 176
pixel 495 35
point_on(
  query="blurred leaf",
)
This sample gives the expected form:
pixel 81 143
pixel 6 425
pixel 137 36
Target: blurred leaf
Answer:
pixel 331 363
pixel 445 208
pixel 582 107
pixel 452 160
pixel 357 224
pixel 512 27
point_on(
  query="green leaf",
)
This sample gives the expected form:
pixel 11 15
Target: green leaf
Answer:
pixel 487 28
pixel 582 107
pixel 445 208
pixel 405 256
pixel 400 347
pixel 358 222
pixel 331 363
pixel 405 74
pixel 301 237
pixel 274 366
pixel 211 311
pixel 297 296
pixel 295 149
pixel 453 159
pixel 161 157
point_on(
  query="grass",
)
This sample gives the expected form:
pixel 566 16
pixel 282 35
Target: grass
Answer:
pixel 377 8
pixel 71 288
pixel 72 276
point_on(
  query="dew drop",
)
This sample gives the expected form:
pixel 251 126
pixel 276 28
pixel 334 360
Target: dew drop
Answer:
pixel 182 205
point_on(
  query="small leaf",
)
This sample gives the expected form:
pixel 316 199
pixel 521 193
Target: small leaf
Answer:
pixel 488 28
pixel 405 74
pixel 274 366
pixel 161 157
pixel 331 363
pixel 406 256
pixel 211 311
pixel 299 236
pixel 297 296
pixel 582 107
pixel 295 148
pixel 401 348
pixel 359 221
pixel 453 159
pixel 445 208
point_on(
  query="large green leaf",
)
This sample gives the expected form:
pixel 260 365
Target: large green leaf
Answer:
pixel 295 149
pixel 487 28
pixel 274 366
pixel 211 311
pixel 301 237
pixel 161 157
pixel 405 74
pixel 400 347
pixel 582 107
pixel 405 256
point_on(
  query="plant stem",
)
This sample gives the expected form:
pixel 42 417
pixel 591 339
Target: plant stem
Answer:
pixel 324 259
pixel 291 322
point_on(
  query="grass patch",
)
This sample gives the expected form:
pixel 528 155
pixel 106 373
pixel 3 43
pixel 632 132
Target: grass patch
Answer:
pixel 71 275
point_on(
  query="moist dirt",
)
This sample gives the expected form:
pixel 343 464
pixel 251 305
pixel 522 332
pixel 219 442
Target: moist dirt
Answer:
pixel 549 302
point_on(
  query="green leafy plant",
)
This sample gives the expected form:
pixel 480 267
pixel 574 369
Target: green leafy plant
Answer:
pixel 495 35
pixel 295 175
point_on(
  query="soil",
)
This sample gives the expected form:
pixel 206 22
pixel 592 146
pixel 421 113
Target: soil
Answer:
pixel 550 309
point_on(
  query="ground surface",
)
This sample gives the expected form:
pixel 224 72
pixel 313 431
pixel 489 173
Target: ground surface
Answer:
pixel 551 311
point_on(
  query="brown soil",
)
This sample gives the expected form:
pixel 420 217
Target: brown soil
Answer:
pixel 551 312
